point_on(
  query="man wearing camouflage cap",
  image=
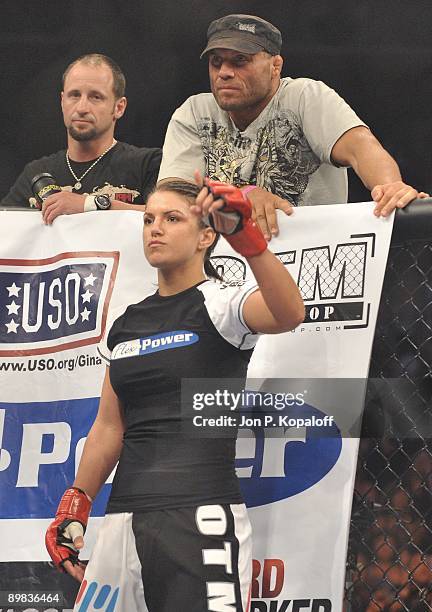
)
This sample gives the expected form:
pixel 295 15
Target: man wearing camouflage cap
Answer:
pixel 287 141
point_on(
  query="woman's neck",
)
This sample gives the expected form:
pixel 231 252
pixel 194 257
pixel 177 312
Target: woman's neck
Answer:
pixel 174 280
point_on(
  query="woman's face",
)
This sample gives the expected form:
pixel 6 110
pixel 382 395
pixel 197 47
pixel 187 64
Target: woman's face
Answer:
pixel 172 235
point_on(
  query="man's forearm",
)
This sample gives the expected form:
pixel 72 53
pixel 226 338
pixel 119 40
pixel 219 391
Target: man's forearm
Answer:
pixel 374 166
pixel 119 205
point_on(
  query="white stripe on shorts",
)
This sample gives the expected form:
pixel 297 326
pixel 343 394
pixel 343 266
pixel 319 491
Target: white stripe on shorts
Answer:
pixel 243 533
pixel 112 580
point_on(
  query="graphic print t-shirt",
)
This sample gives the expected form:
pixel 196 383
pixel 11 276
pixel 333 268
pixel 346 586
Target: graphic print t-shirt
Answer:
pixel 126 173
pixel 286 149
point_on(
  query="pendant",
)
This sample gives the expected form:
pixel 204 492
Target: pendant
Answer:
pixel 77 185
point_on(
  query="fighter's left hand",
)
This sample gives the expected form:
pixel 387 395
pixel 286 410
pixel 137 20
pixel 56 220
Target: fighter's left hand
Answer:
pixel 62 203
pixel 205 202
pixel 394 195
pixel 230 213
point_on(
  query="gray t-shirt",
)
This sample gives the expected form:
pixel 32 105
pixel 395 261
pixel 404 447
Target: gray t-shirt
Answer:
pixel 286 149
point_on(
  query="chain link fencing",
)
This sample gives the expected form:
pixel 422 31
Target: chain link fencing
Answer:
pixel 389 564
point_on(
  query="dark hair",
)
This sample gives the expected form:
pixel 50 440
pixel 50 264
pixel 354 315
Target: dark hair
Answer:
pixel 98 59
pixel 190 191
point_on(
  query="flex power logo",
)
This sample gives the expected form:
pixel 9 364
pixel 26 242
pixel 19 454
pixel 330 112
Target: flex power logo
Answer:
pixel 154 344
pixel 53 304
pixel 331 279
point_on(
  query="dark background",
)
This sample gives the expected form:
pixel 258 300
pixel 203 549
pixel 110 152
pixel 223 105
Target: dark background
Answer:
pixel 375 53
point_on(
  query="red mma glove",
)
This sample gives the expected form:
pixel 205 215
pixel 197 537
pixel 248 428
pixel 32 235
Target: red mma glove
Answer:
pixel 70 522
pixel 234 220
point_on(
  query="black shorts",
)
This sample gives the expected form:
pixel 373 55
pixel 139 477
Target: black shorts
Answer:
pixel 181 560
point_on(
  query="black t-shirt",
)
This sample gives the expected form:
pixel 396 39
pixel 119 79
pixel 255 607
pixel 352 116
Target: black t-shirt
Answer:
pixel 126 172
pixel 198 333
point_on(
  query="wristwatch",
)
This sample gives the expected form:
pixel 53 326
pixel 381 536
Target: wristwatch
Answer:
pixel 102 201
pixel 97 202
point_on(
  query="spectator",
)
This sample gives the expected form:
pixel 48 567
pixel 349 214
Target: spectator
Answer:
pixel 95 172
pixel 290 140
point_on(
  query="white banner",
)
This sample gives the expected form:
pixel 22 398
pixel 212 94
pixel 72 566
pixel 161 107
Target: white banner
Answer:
pixel 56 285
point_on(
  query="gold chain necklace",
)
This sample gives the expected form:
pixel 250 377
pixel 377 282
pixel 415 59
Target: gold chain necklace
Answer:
pixel 78 183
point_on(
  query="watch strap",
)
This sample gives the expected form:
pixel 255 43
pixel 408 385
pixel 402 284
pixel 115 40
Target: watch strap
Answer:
pixel 89 203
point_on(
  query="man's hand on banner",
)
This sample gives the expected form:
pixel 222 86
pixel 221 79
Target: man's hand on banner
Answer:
pixel 264 206
pixel 64 536
pixel 62 203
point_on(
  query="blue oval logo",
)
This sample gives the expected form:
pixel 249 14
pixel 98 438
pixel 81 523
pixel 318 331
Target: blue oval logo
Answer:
pixel 293 465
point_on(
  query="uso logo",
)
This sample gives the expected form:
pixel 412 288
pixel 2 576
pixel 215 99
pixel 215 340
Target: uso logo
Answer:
pixel 276 465
pixel 49 305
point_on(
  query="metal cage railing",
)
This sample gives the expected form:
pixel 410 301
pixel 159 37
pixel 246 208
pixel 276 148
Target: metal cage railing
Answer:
pixel 389 563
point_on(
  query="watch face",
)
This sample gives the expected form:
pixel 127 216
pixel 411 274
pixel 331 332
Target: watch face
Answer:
pixel 102 202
